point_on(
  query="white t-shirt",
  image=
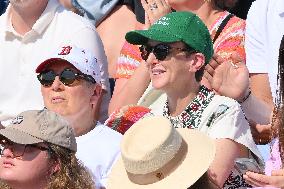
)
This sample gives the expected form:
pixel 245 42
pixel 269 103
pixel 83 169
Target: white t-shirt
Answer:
pixel 264 31
pixel 20 55
pixel 98 150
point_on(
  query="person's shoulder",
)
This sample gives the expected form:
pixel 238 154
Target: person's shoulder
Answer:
pixel 238 20
pixel 65 16
pixel 261 3
pixel 107 133
pixel 103 137
pixel 259 8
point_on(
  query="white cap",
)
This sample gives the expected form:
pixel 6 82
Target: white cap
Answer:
pixel 83 59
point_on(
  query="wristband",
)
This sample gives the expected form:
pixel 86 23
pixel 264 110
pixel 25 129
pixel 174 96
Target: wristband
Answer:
pixel 245 98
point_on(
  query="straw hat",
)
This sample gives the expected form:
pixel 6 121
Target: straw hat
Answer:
pixel 155 155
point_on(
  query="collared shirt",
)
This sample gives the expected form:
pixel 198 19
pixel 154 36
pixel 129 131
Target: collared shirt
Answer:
pixel 20 55
pixel 264 31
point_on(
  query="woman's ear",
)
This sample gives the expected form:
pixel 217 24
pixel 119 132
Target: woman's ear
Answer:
pixel 198 60
pixel 55 167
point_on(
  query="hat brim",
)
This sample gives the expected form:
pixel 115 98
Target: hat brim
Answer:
pixel 141 37
pixel 195 164
pixel 47 62
pixel 18 136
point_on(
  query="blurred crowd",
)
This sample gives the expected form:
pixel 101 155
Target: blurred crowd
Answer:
pixel 111 94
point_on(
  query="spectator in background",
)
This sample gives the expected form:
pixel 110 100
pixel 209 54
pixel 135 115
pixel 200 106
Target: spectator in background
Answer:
pixel 38 151
pixel 28 31
pixel 274 168
pixel 71 87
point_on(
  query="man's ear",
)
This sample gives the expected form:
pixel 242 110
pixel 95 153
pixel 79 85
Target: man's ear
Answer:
pixel 97 94
pixel 197 62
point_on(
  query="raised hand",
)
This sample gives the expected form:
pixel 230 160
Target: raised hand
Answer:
pixel 228 78
pixel 155 9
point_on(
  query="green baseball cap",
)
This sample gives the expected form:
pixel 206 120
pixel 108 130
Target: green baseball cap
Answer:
pixel 173 27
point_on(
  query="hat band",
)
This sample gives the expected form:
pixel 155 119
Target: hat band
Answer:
pixel 161 173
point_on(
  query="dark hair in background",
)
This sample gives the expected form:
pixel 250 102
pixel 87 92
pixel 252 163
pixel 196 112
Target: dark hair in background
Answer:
pixel 225 4
pixel 237 7
pixel 136 7
pixel 278 113
pixel 3 6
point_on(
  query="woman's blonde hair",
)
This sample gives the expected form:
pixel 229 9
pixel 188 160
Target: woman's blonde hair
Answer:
pixel 72 174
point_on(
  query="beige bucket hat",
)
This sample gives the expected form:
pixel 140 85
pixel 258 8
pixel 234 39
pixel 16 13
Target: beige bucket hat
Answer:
pixel 35 126
pixel 155 155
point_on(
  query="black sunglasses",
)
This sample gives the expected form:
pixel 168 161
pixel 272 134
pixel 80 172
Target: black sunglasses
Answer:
pixel 67 77
pixel 161 51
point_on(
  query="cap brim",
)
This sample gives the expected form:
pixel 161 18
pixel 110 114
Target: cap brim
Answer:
pixel 18 136
pixel 141 37
pixel 195 164
pixel 47 62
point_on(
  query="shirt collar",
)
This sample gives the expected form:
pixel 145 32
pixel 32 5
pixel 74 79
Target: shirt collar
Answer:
pixel 40 25
pixel 46 17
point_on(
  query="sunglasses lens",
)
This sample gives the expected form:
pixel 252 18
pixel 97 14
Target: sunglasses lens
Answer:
pixel 46 78
pixel 161 51
pixel 145 51
pixel 67 77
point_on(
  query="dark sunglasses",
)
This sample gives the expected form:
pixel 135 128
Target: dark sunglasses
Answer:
pixel 18 150
pixel 161 51
pixel 67 77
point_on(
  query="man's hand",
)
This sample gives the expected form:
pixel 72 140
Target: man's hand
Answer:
pixel 275 180
pixel 228 78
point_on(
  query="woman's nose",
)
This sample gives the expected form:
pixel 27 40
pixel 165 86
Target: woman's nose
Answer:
pixel 57 84
pixel 7 152
pixel 152 59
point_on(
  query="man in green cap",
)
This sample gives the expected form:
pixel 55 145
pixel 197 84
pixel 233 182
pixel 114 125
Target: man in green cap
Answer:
pixel 176 49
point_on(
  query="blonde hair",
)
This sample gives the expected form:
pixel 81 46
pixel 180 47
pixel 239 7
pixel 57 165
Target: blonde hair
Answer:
pixel 71 175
